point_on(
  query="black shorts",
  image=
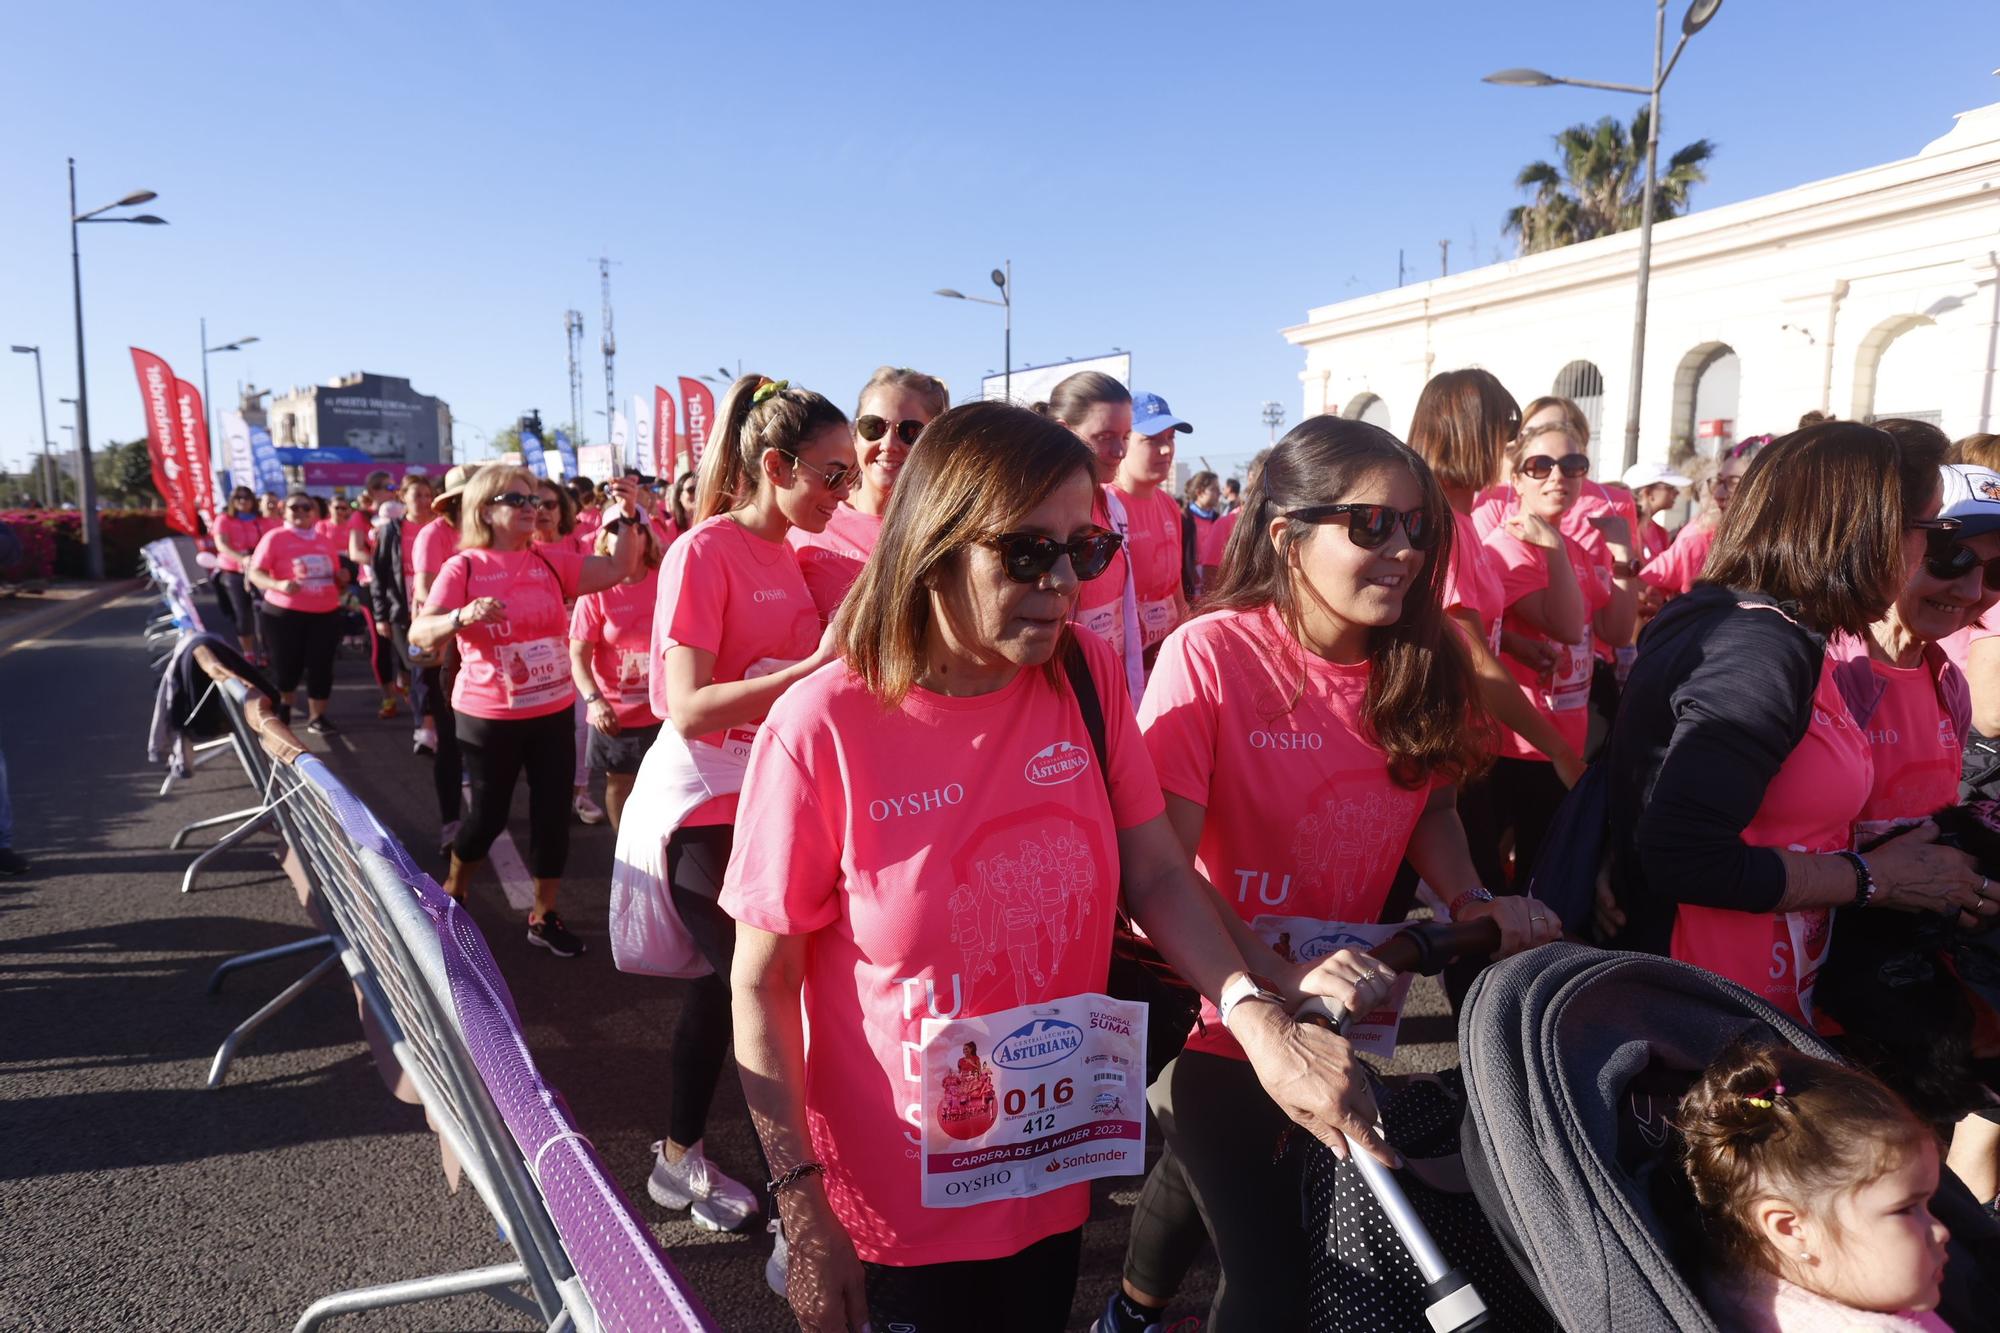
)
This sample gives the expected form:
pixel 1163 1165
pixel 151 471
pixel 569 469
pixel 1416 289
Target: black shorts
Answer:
pixel 621 753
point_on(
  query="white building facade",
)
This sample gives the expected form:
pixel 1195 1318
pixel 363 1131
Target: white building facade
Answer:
pixel 1876 293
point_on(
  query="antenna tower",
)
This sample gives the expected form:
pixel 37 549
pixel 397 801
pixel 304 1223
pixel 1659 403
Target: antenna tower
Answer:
pixel 610 345
pixel 573 331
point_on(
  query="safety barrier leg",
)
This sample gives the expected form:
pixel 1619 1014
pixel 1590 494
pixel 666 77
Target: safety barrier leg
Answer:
pixel 201 754
pixel 243 960
pixel 212 821
pixel 226 1054
pixel 493 1280
pixel 222 844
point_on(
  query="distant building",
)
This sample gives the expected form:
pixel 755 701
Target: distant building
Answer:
pixel 1872 294
pixel 360 418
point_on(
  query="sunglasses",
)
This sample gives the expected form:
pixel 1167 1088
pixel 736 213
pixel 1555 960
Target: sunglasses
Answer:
pixel 516 500
pixel 1538 466
pixel 1947 560
pixel 872 428
pixel 302 509
pixel 1026 556
pixel 834 478
pixel 1368 526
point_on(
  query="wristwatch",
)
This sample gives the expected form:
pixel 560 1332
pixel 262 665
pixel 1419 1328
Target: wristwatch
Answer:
pixel 590 699
pixel 1246 986
pixel 1475 894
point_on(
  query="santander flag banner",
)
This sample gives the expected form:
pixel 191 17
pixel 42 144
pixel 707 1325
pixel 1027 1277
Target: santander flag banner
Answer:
pixel 171 476
pixel 193 420
pixel 700 407
pixel 666 439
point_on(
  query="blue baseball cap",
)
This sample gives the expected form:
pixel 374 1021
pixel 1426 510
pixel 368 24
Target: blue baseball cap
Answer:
pixel 1151 415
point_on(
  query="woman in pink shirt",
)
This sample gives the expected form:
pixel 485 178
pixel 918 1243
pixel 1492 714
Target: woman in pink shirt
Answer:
pixel 1098 410
pixel 610 647
pixel 299 571
pixel 1676 569
pixel 1152 521
pixel 734 629
pixel 1557 596
pixel 236 536
pixel 896 404
pixel 937 839
pixel 500 601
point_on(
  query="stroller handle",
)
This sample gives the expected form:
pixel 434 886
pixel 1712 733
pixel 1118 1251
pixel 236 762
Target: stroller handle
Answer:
pixel 1423 947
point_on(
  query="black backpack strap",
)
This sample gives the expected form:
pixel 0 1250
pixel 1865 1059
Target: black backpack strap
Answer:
pixel 1085 689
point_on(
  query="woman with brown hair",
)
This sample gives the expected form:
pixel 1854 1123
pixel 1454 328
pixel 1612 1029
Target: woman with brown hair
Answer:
pixel 1098 410
pixel 937 834
pixel 1736 772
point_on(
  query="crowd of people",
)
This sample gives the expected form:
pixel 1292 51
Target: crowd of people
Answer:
pixel 961 743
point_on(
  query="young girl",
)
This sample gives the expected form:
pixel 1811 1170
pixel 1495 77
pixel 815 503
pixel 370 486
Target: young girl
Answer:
pixel 1812 1182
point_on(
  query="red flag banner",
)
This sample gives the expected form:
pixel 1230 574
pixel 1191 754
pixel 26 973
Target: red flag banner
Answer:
pixel 194 441
pixel 666 439
pixel 699 405
pixel 159 391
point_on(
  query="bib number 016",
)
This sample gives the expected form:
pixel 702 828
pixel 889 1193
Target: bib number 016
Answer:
pixel 1041 1095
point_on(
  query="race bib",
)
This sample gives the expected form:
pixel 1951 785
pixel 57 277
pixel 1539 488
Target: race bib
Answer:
pixel 1777 955
pixel 1032 1099
pixel 632 669
pixel 313 571
pixel 1104 622
pixel 1571 687
pixel 1305 939
pixel 1156 620
pixel 536 672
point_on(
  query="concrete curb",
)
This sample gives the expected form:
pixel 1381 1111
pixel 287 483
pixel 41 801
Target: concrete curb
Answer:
pixel 57 616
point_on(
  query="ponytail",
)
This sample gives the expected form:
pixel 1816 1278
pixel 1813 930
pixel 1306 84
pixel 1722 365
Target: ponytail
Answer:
pixel 745 428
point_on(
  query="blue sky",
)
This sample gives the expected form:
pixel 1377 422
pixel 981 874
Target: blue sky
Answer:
pixel 418 189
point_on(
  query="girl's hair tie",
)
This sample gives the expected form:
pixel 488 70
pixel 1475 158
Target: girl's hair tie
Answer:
pixel 1766 1099
pixel 768 390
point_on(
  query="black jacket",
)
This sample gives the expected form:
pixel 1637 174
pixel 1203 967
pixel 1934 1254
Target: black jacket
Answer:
pixel 1720 696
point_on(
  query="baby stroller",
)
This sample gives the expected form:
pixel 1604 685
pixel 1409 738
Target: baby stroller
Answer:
pixel 1574 1059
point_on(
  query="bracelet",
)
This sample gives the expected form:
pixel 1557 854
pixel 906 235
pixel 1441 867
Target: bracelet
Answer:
pixel 590 699
pixel 1864 879
pixel 457 624
pixel 792 1177
pixel 1475 894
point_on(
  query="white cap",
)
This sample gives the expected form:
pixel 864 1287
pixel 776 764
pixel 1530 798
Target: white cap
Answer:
pixel 1652 474
pixel 1972 496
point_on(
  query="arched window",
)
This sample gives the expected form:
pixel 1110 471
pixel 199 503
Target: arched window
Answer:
pixel 1583 384
pixel 1369 408
pixel 1707 384
pixel 1900 371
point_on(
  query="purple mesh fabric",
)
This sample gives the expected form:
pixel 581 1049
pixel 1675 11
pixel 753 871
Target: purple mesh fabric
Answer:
pixel 631 1283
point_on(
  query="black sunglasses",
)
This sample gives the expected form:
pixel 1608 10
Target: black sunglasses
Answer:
pixel 516 500
pixel 872 428
pixel 302 509
pixel 1368 526
pixel 1949 560
pixel 1026 556
pixel 1538 466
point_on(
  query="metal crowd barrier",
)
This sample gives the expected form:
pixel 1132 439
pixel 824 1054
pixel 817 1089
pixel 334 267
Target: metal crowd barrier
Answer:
pixel 433 999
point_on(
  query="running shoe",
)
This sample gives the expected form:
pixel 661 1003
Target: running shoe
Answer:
pixel 778 1267
pixel 322 726
pixel 713 1200
pixel 1114 1320
pixel 12 862
pixel 589 811
pixel 550 933
pixel 424 740
pixel 388 708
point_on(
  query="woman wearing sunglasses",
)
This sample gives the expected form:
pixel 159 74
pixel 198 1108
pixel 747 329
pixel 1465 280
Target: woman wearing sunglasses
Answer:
pixel 1676 569
pixel 1556 596
pixel 501 601
pixel 735 629
pixel 933 831
pixel 298 569
pixel 237 533
pixel 1098 410
pixel 896 404
pixel 1735 771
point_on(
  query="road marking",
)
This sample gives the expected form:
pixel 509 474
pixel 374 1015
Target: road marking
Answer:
pixel 45 635
pixel 515 881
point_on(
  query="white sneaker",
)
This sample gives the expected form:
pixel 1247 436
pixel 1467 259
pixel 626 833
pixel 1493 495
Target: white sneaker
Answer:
pixel 424 740
pixel 716 1202
pixel 778 1266
pixel 589 811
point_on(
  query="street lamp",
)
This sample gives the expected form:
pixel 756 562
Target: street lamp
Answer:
pixel 1004 280
pixel 207 403
pixel 41 398
pixel 93 543
pixel 1697 17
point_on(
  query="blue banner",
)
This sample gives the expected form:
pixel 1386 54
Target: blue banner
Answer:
pixel 270 472
pixel 531 453
pixel 568 452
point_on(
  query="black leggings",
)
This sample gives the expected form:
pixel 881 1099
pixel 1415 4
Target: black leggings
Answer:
pixel 696 858
pixel 496 750
pixel 302 643
pixel 1526 793
pixel 1028 1292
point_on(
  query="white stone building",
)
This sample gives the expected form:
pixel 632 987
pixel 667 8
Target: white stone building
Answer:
pixel 1876 293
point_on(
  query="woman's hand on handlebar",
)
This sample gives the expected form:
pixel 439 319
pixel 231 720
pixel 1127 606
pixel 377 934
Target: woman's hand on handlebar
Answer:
pixel 1525 923
pixel 824 1281
pixel 1313 1075
pixel 1353 981
pixel 1913 873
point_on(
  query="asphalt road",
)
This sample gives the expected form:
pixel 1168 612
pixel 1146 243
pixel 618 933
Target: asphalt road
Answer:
pixel 132 1199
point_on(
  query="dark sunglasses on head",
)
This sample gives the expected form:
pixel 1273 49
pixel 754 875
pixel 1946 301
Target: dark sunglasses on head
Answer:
pixel 1026 556
pixel 1368 526
pixel 1538 466
pixel 1948 560
pixel 872 428
pixel 835 477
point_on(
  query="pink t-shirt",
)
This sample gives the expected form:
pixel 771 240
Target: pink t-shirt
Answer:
pixel 1810 806
pixel 618 625
pixel 1100 602
pixel 517 667
pixel 957 856
pixel 1303 820
pixel 1916 746
pixel 435 543
pixel 242 534
pixel 1676 569
pixel 308 557
pixel 1153 539
pixel 1472 579
pixel 584 535
pixel 1494 505
pixel 1219 534
pixel 1562 696
pixel 1958 647
pixel 729 592
pixel 1653 539
pixel 831 560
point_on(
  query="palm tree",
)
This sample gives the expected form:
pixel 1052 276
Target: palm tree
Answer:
pixel 1599 185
